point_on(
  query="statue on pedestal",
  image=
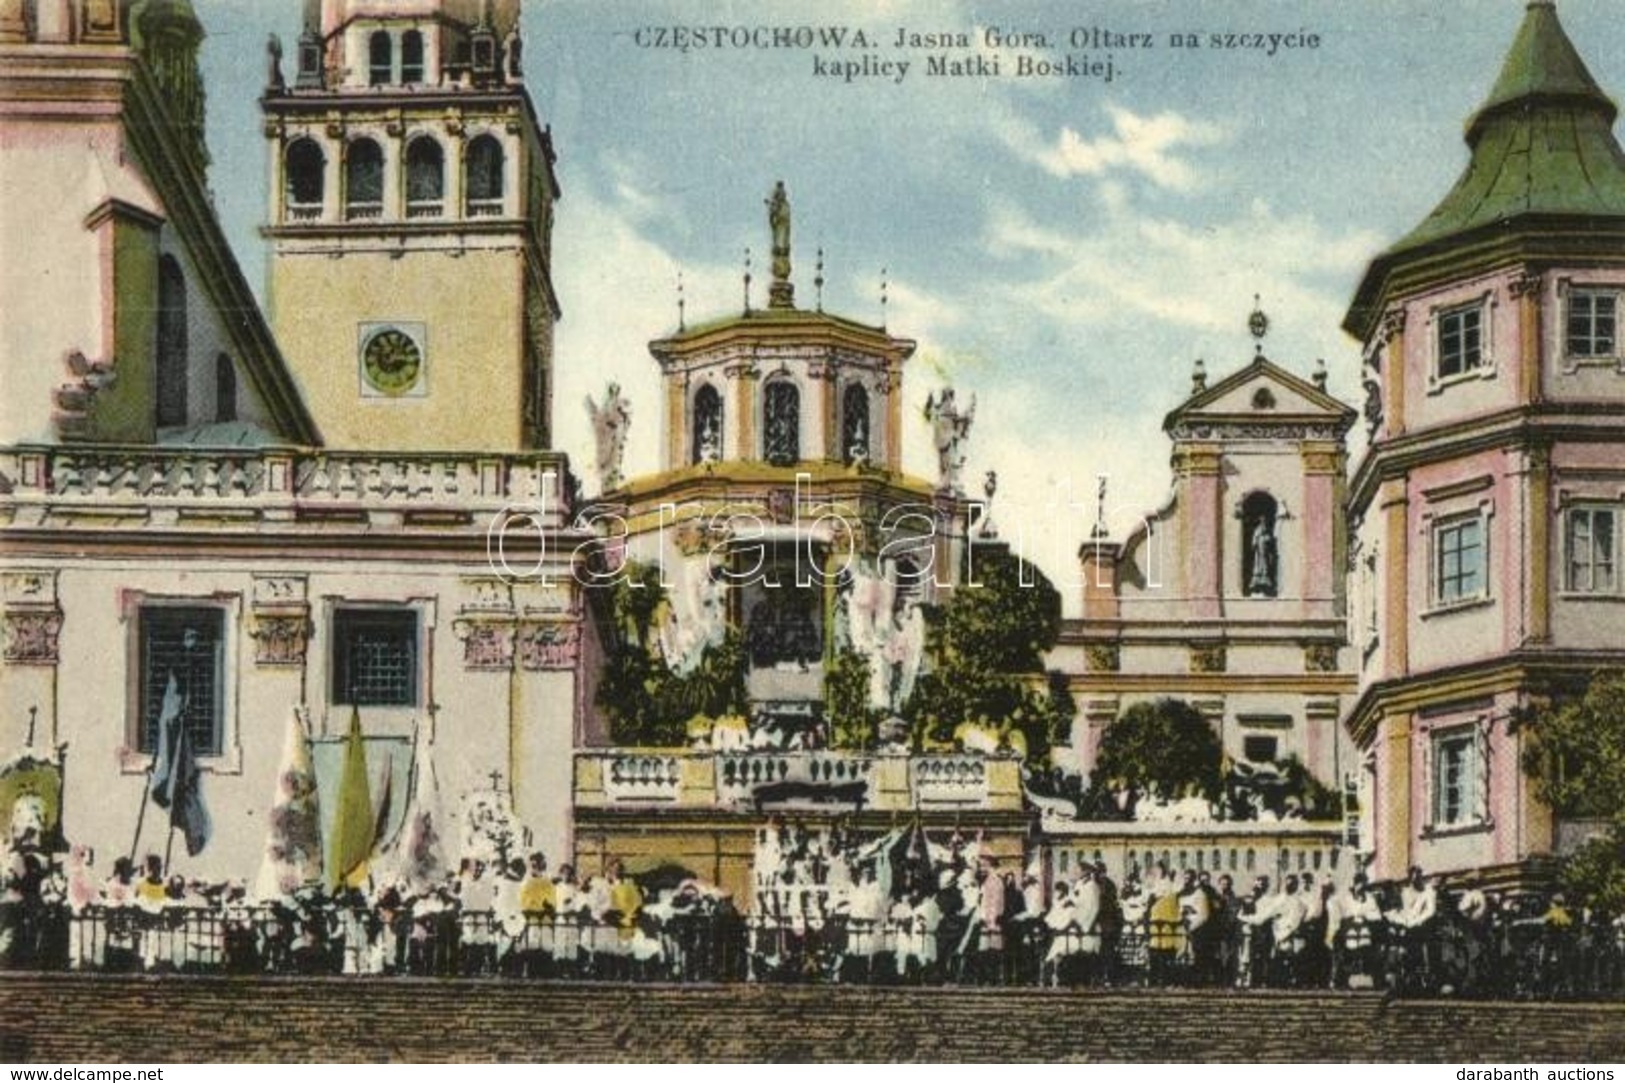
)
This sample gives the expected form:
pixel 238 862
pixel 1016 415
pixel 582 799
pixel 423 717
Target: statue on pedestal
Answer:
pixel 950 428
pixel 609 425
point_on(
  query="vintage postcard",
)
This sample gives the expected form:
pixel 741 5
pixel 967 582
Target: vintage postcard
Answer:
pixel 545 530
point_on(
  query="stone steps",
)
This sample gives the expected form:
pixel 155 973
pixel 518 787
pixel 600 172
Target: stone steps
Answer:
pixel 65 1018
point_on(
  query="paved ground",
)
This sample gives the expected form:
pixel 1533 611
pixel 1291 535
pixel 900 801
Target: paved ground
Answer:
pixel 59 1018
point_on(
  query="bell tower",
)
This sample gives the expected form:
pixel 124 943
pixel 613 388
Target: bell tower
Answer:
pixel 410 219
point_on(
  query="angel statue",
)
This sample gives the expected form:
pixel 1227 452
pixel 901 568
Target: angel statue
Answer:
pixel 609 425
pixel 950 428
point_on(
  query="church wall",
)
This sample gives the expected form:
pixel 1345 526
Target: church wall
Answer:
pixel 55 297
pixel 1473 629
pixel 1568 378
pixel 472 354
pixel 1430 400
pixel 1583 474
pixel 479 708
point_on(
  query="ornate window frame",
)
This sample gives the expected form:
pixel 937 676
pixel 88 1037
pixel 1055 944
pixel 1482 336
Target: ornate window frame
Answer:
pixel 1484 304
pixel 228 760
pixel 1567 291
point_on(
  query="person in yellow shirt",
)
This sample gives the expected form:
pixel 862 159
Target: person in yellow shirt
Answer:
pixel 625 899
pixel 536 889
pixel 1166 933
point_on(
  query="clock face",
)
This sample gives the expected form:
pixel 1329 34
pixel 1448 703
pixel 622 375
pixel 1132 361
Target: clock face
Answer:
pixel 391 361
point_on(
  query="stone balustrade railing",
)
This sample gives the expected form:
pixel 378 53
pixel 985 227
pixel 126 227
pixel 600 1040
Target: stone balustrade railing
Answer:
pixel 638 778
pixel 737 781
pixel 745 777
pixel 114 479
pixel 949 780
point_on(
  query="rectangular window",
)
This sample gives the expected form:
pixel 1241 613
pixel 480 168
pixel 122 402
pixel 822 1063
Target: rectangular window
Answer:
pixel 1457 798
pixel 1461 341
pixel 1258 749
pixel 1590 555
pixel 375 657
pixel 1592 322
pixel 182 674
pixel 1459 571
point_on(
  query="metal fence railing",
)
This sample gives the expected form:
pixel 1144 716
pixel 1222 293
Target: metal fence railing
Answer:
pixel 1522 958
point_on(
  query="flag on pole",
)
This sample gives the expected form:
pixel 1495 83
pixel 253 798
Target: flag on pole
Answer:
pixel 414 856
pixel 351 845
pixel 183 796
pixel 293 838
pixel 169 723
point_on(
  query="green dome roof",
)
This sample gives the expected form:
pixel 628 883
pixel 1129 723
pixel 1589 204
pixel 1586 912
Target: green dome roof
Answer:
pixel 1542 143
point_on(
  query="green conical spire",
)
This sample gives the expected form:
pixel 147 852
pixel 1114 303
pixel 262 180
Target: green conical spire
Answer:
pixel 1543 153
pixel 1541 68
pixel 1542 144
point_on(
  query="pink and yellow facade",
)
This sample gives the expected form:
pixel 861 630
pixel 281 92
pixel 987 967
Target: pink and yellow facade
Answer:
pixel 1485 513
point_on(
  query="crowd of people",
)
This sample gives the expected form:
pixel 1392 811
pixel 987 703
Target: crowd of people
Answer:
pixel 827 906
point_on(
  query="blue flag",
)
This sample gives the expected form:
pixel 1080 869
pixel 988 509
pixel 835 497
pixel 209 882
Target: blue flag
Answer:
pixel 169 725
pixel 183 795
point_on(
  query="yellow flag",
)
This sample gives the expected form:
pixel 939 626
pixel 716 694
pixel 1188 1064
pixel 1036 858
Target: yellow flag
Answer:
pixel 351 843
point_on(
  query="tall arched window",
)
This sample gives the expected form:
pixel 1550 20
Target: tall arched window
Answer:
pixel 303 169
pixel 484 181
pixel 425 178
pixel 1260 551
pixel 707 425
pixel 363 180
pixel 225 389
pixel 380 59
pixel 855 442
pixel 171 404
pixel 412 57
pixel 781 424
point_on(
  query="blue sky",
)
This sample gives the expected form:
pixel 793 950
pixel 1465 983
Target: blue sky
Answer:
pixel 1063 248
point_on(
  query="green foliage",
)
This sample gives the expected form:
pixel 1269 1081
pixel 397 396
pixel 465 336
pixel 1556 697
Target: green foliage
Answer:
pixel 1166 748
pixel 1595 874
pixel 1576 752
pixel 647 704
pixel 1318 800
pixel 852 723
pixel 987 647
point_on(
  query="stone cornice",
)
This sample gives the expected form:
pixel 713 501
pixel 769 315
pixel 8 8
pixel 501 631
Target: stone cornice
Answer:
pixel 1549 422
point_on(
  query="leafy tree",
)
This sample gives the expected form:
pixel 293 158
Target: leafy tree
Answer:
pixel 853 724
pixel 986 648
pixel 1167 748
pixel 647 704
pixel 1575 752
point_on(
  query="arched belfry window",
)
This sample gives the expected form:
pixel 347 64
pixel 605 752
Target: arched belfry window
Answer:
pixel 171 389
pixel 856 440
pixel 225 389
pixel 380 59
pixel 1260 546
pixel 425 178
pixel 363 180
pixel 781 424
pixel 707 425
pixel 412 57
pixel 484 181
pixel 303 169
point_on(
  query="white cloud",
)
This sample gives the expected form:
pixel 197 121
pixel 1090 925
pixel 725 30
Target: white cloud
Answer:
pixel 1147 145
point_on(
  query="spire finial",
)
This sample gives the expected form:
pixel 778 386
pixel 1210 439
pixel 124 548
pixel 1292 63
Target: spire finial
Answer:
pixel 1320 373
pixel 885 290
pixel 782 292
pixel 1100 508
pixel 1258 325
pixel 747 280
pixel 682 322
pixel 818 282
pixel 1198 377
